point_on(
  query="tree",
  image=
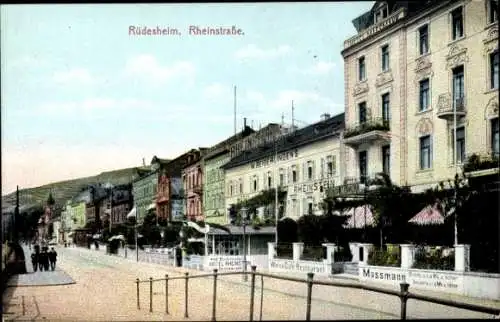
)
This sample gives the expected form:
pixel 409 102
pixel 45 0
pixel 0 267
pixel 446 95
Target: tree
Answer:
pixel 287 230
pixel 308 230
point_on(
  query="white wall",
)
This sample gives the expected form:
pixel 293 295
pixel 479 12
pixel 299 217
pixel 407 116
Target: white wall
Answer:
pixel 479 285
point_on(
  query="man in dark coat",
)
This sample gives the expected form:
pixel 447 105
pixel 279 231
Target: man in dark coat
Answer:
pixel 34 261
pixel 42 258
pixel 52 258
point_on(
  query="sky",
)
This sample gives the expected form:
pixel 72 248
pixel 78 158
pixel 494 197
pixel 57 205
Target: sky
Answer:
pixel 81 95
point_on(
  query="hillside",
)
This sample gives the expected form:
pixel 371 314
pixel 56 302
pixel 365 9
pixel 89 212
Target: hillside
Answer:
pixel 65 190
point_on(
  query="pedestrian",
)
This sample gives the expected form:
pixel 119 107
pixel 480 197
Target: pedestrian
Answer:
pixel 52 258
pixel 42 257
pixel 34 261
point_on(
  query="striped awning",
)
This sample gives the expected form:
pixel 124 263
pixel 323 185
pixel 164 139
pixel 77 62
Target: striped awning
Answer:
pixel 360 217
pixel 430 215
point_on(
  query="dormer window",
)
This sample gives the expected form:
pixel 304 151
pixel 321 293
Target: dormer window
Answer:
pixel 381 13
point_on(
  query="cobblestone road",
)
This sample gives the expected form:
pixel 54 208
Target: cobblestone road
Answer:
pixel 105 290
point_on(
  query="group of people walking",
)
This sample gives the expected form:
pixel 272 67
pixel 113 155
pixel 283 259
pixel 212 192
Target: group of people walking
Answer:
pixel 45 259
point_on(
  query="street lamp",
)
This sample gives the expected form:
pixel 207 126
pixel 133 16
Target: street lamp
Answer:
pixel 244 211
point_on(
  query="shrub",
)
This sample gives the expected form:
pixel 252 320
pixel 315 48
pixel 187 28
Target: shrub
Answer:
pixel 433 260
pixel 313 253
pixel 342 255
pixel 383 257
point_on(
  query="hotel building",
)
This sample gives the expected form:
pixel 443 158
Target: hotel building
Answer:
pixel 304 162
pixel 410 66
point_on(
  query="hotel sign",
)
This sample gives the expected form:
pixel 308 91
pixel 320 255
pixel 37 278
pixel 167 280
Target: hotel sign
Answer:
pixel 285 156
pixel 392 19
pixel 313 186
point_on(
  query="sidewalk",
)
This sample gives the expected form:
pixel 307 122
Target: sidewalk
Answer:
pixel 38 278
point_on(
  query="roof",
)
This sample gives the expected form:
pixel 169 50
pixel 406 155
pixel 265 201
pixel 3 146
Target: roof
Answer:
pixel 413 8
pixel 309 134
pixel 223 147
pixel 238 230
pixel 160 161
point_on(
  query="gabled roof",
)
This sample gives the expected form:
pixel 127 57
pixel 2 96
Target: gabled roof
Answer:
pixel 160 161
pixel 319 131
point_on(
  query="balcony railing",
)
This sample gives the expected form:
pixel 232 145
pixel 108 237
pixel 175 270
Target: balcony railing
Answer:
pixel 447 104
pixel 477 162
pixel 373 124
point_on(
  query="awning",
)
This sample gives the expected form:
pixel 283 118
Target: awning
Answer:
pixel 132 213
pixel 152 206
pixel 360 217
pixel 430 215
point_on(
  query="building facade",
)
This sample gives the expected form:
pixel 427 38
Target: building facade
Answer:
pixel 213 177
pixel 162 187
pixel 121 203
pixel 305 163
pixel 192 180
pixel 144 192
pixel 173 195
pixel 410 66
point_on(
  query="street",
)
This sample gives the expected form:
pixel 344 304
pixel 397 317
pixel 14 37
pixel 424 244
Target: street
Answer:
pixel 105 289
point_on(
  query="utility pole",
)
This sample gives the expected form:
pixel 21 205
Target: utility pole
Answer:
pixel 276 208
pixel 293 119
pixel 455 156
pixel 16 214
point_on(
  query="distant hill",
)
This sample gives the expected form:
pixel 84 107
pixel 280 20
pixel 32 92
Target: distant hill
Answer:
pixel 65 190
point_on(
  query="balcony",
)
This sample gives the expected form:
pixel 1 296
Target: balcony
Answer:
pixel 371 131
pixel 198 189
pixel 482 164
pixel 446 106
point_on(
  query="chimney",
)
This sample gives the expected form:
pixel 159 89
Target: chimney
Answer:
pixel 143 162
pixel 325 116
pixel 244 123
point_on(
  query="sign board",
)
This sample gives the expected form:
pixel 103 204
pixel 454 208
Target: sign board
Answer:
pixel 225 263
pixel 343 190
pixel 317 185
pixel 291 266
pixel 284 156
pixel 436 280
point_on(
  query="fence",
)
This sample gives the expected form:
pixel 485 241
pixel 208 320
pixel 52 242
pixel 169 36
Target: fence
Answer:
pixel 403 294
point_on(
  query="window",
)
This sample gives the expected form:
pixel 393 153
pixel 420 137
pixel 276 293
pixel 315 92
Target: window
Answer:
pixel 309 208
pixel 309 171
pixel 424 95
pixel 385 107
pixel 493 11
pixel 458 85
pixel 386 159
pixel 363 166
pixel 361 69
pixel 241 187
pixel 362 112
pixel 495 141
pixel 269 181
pixel 282 179
pixel 460 141
pixel 425 152
pixel 457 23
pixel 294 176
pixel 385 58
pixel 494 70
pixel 254 185
pixel 330 167
pixel 423 39
pixel 381 14
pixel 231 189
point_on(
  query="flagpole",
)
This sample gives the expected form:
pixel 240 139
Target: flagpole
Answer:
pixel 276 209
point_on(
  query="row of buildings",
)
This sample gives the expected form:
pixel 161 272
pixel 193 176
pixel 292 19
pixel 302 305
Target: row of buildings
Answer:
pixel 421 97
